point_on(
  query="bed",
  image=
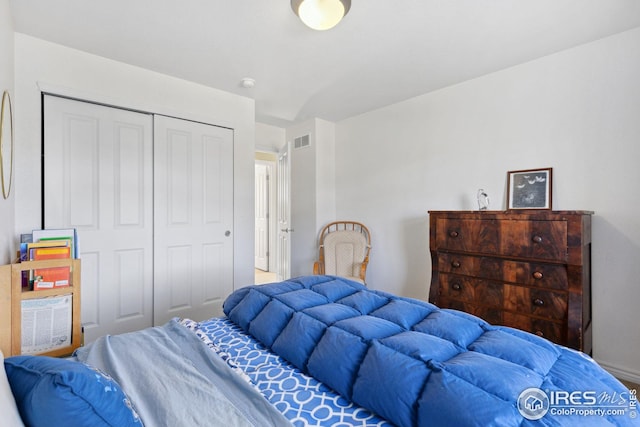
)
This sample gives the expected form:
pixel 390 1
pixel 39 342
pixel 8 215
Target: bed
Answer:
pixel 319 351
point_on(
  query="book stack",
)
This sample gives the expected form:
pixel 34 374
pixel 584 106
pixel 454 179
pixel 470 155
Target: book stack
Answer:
pixel 46 245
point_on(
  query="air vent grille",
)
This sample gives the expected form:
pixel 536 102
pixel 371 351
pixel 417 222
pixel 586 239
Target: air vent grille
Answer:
pixel 301 142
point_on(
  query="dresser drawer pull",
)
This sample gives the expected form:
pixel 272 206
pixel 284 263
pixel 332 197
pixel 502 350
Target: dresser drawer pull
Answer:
pixel 536 239
pixel 455 264
pixel 453 234
pixel 456 286
pixel 538 302
pixel 540 333
pixel 537 275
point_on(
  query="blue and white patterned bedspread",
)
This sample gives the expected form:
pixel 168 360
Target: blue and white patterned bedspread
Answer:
pixel 301 398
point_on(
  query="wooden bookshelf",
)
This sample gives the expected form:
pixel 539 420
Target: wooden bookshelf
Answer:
pixel 12 294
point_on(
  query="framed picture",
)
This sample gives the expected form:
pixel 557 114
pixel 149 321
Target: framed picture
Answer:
pixel 529 189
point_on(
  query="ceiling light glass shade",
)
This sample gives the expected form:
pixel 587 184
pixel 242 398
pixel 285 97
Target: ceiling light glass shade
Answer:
pixel 321 14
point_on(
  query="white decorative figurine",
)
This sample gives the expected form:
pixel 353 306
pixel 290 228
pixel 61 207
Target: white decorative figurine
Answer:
pixel 483 200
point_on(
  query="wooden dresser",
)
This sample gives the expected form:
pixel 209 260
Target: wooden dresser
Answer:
pixel 530 270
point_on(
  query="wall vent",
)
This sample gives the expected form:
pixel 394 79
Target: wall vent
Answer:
pixel 301 141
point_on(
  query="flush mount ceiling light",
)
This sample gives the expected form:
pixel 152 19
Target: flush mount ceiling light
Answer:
pixel 321 14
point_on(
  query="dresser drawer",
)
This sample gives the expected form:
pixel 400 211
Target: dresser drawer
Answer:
pixel 536 302
pixel 519 299
pixel 489 314
pixel 554 331
pixel 535 239
pixel 468 235
pixel 545 240
pixel 470 289
pixel 541 275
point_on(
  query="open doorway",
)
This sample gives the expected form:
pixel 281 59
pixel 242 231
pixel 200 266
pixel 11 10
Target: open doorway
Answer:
pixel 265 217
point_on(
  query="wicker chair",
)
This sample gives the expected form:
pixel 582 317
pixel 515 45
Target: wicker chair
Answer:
pixel 344 250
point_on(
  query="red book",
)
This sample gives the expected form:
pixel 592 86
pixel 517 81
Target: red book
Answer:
pixel 53 277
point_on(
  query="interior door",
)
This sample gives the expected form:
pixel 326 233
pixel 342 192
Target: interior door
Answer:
pixel 193 217
pixel 261 252
pixel 284 213
pixel 98 179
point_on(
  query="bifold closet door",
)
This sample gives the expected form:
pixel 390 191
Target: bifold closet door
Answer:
pixel 193 218
pixel 98 179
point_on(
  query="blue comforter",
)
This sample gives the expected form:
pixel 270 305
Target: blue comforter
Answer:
pixel 418 365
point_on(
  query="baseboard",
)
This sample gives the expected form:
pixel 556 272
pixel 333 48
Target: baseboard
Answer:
pixel 623 374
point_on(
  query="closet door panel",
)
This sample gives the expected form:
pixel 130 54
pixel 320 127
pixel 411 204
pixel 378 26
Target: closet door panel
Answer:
pixel 215 165
pixel 98 179
pixel 74 163
pixel 179 177
pixel 90 303
pixel 130 178
pixel 193 219
pixel 180 278
pixel 131 297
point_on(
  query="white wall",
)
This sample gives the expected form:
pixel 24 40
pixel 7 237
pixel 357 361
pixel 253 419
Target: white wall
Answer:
pixel 40 64
pixel 269 138
pixel 8 238
pixel 313 201
pixel 325 173
pixel 577 111
pixel 303 200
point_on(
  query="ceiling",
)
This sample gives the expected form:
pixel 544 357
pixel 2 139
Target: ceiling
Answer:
pixel 383 52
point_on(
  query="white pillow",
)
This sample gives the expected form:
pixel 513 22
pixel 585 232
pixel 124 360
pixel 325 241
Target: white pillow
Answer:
pixel 8 408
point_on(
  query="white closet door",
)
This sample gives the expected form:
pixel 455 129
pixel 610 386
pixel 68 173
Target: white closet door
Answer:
pixel 98 179
pixel 193 217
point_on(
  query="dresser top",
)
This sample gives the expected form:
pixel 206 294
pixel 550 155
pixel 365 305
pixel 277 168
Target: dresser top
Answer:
pixel 524 213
